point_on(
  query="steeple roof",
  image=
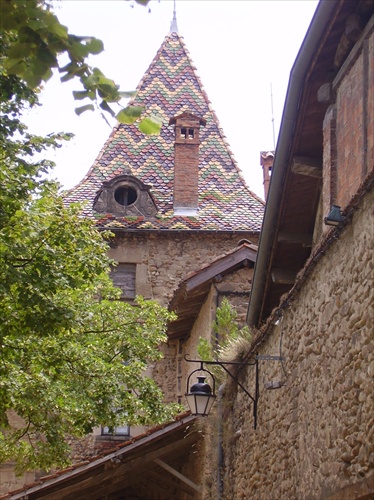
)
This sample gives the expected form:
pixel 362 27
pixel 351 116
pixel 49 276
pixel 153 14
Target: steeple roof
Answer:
pixel 170 87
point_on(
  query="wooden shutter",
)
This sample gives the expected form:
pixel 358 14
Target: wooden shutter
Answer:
pixel 123 276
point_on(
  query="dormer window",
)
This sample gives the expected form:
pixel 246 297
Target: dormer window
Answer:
pixel 125 195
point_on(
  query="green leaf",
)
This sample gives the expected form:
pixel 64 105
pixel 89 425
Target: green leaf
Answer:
pixel 21 50
pixel 78 50
pixel 82 94
pixel 67 77
pixel 109 92
pixel 95 46
pixel 150 125
pixel 104 105
pixel 90 82
pixel 59 30
pixel 127 94
pixel 15 67
pixel 47 75
pixel 82 109
pixel 130 114
pixel 32 78
pixel 45 56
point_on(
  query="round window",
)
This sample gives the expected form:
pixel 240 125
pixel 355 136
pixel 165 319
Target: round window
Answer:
pixel 125 195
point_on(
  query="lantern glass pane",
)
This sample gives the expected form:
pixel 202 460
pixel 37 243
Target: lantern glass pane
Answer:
pixel 200 404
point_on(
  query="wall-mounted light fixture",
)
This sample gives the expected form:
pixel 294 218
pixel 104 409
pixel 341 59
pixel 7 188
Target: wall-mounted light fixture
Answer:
pixel 335 216
pixel 200 396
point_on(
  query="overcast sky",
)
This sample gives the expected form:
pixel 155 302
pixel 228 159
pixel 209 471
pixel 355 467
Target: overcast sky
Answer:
pixel 241 49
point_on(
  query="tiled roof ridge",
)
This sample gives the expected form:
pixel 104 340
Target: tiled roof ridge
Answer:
pixel 215 117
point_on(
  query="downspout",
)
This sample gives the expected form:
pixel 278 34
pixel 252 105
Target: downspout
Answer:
pixel 295 87
pixel 220 445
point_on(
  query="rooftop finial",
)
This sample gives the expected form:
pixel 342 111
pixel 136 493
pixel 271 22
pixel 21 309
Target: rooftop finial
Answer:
pixel 173 25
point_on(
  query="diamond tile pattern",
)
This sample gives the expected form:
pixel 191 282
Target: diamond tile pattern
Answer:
pixel 169 87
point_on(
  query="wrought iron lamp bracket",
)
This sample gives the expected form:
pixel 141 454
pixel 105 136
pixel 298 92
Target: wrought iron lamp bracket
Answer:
pixel 224 364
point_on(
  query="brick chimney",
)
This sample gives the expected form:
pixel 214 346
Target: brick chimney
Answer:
pixel 186 162
pixel 266 161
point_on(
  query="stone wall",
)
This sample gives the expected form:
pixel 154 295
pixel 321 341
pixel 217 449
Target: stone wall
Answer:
pixel 163 260
pixel 315 435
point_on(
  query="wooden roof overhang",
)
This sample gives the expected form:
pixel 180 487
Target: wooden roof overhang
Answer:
pixel 147 466
pixel 290 220
pixel 193 291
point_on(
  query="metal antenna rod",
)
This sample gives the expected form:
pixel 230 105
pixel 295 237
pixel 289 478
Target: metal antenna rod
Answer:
pixel 272 110
pixel 173 26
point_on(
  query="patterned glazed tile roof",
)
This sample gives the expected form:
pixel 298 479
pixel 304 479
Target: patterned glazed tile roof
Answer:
pixel 169 87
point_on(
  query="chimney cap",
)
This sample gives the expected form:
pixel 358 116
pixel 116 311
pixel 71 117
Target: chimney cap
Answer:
pixel 188 115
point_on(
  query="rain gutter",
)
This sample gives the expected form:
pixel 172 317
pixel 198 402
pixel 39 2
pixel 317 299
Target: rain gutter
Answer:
pixel 295 87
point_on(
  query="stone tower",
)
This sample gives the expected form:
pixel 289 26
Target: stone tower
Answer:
pixel 176 202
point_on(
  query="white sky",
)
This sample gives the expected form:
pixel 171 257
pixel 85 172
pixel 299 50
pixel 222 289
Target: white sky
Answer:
pixel 241 49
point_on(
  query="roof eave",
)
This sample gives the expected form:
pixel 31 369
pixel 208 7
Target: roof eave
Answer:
pixel 281 165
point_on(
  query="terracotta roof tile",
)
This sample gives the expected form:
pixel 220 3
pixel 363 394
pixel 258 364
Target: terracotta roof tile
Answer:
pixel 169 87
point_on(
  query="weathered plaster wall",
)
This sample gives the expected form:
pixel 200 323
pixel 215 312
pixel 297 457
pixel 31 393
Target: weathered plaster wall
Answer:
pixel 354 120
pixel 315 435
pixel 348 128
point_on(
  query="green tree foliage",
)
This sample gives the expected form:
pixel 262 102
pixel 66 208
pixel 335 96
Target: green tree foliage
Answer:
pixel 230 342
pixel 36 42
pixel 72 357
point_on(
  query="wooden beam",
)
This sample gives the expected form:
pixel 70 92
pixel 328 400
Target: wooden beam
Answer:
pixel 304 239
pixel 283 276
pixel 312 167
pixel 84 474
pixel 362 490
pixel 160 478
pixel 177 474
pixel 123 475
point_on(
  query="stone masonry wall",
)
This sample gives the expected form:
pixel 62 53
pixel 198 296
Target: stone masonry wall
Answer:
pixel 163 260
pixel 315 435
